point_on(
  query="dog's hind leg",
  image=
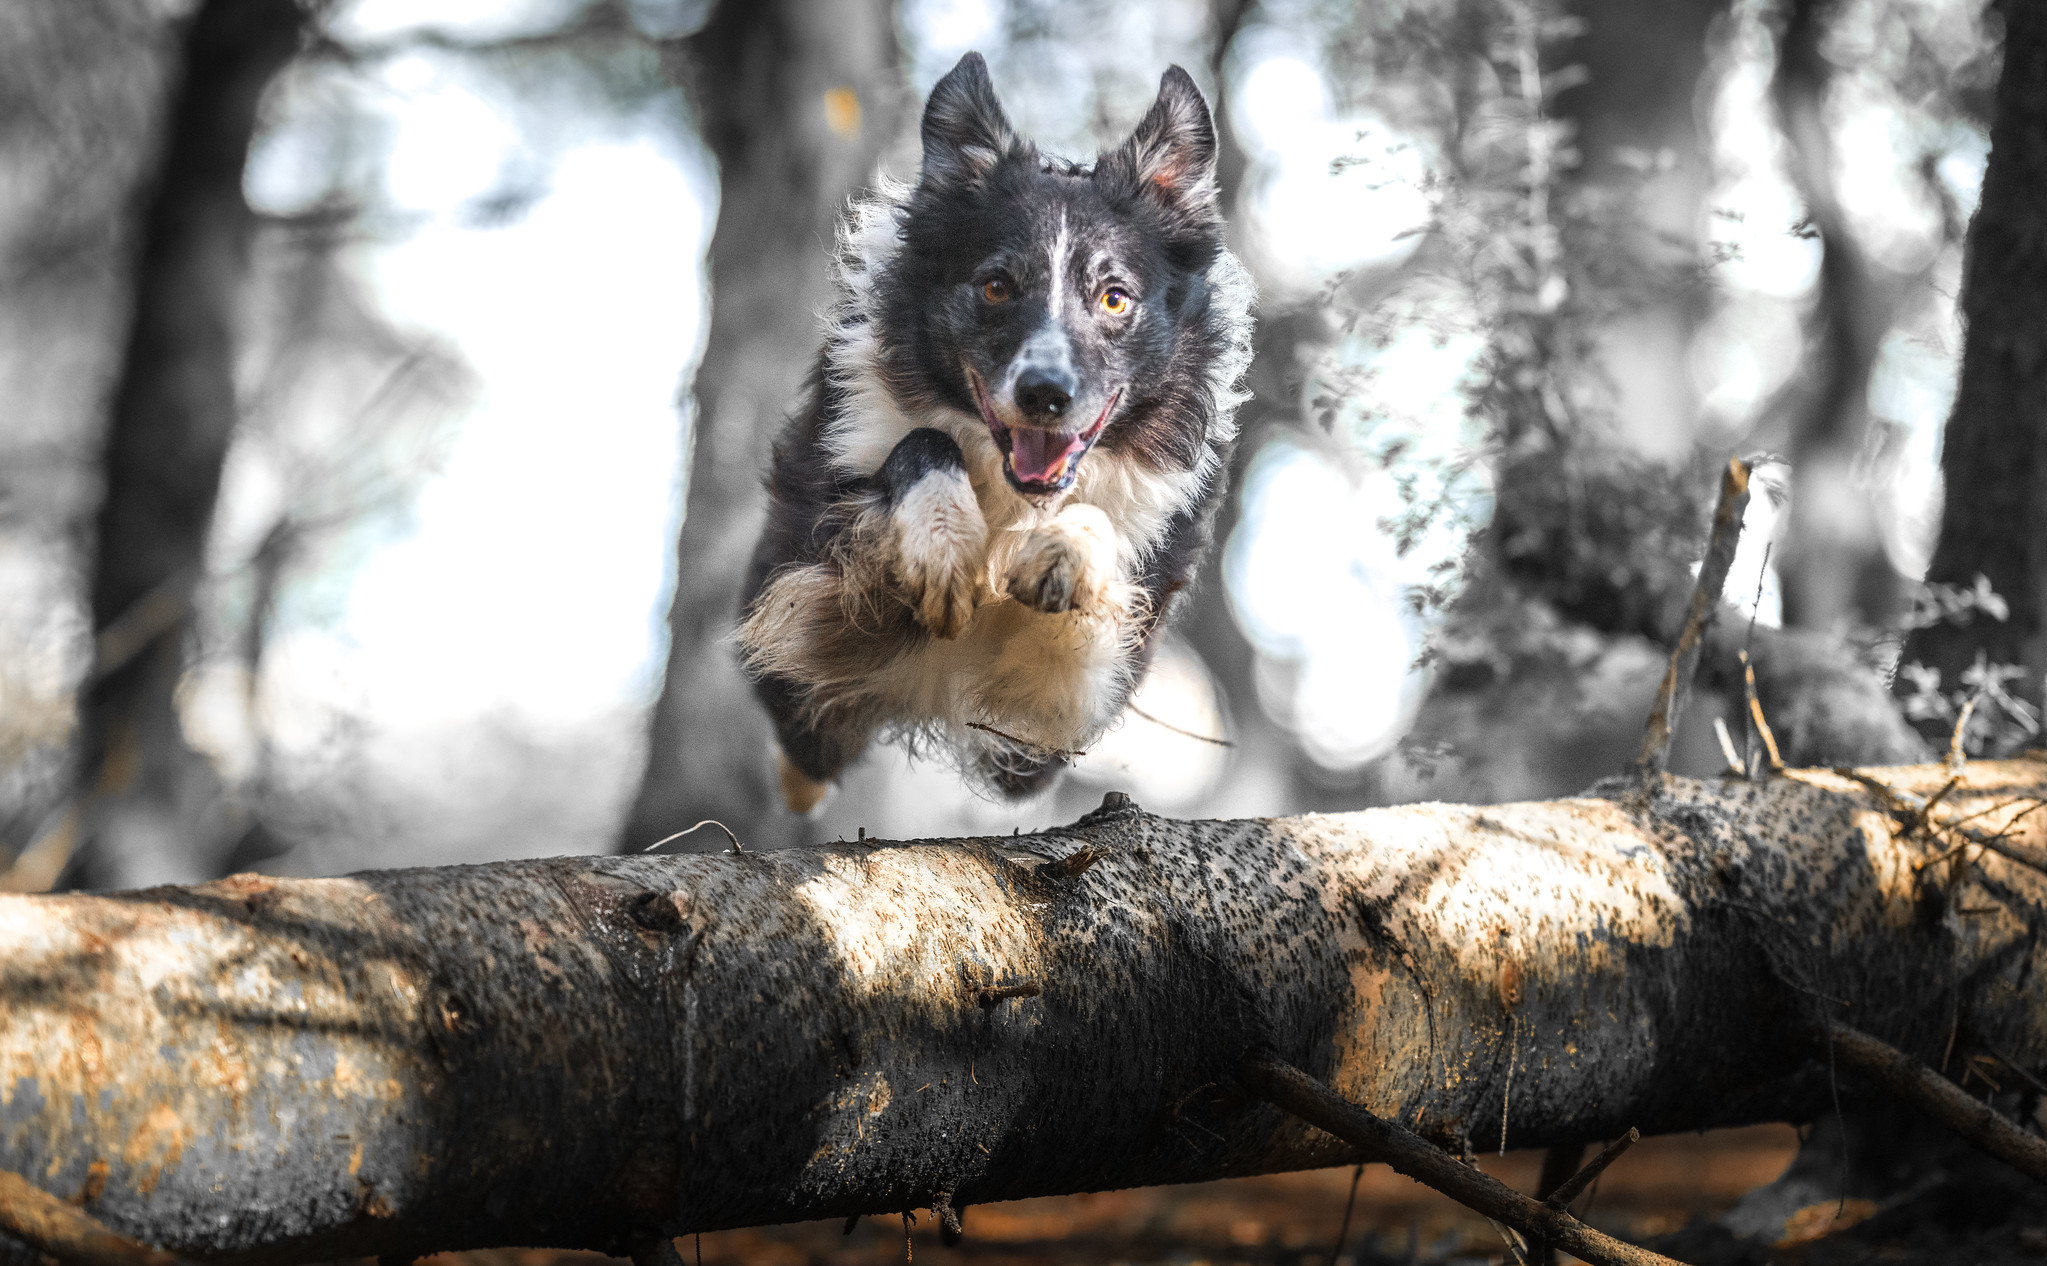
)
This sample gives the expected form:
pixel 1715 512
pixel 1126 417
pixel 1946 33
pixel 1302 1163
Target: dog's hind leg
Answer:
pixel 809 755
pixel 938 540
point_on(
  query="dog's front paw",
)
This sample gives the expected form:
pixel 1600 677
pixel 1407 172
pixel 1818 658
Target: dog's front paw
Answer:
pixel 1068 564
pixel 941 548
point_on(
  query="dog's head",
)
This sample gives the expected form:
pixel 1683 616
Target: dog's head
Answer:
pixel 1050 298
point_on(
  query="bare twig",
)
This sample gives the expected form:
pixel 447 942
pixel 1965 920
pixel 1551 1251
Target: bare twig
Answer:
pixel 1957 753
pixel 1575 1185
pixel 1755 712
pixel 2002 1058
pixel 698 827
pixel 1558 1164
pixel 1975 1122
pixel 1924 812
pixel 1025 743
pixel 1168 725
pixel 1735 765
pixel 40 1220
pixel 1913 804
pixel 1381 1140
pixel 1684 657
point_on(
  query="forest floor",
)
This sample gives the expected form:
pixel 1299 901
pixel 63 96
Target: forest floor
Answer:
pixel 1661 1186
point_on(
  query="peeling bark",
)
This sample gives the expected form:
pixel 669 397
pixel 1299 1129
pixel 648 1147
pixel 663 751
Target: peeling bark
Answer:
pixel 594 1051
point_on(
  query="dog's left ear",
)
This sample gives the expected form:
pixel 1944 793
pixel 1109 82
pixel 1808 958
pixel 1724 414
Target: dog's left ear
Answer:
pixel 1171 156
pixel 965 131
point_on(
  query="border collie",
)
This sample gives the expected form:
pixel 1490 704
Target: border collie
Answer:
pixel 1012 452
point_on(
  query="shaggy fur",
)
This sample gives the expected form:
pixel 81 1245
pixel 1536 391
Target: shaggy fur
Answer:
pixel 1009 461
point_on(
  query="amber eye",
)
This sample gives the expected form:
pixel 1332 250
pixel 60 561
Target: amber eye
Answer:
pixel 1115 301
pixel 995 290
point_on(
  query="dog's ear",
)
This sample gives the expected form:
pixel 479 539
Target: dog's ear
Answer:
pixel 965 131
pixel 1171 156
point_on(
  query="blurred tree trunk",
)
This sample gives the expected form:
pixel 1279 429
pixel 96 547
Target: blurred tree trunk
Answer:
pixel 143 793
pixel 796 99
pixel 1639 96
pixel 1834 568
pixel 1994 458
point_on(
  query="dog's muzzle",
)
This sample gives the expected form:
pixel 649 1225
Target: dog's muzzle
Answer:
pixel 1040 461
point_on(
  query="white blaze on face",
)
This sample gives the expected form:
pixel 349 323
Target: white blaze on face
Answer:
pixel 1059 252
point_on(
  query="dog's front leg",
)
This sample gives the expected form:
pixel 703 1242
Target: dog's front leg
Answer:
pixel 1067 564
pixel 937 538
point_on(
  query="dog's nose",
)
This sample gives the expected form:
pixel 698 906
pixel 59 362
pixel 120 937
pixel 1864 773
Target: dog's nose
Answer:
pixel 1043 393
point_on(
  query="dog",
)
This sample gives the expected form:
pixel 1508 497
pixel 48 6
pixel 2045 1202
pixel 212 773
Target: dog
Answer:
pixel 1012 450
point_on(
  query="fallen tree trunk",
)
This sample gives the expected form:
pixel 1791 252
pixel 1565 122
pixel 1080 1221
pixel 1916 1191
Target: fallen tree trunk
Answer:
pixel 597 1051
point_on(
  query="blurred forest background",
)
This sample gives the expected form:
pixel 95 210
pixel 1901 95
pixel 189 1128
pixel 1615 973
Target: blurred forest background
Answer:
pixel 385 387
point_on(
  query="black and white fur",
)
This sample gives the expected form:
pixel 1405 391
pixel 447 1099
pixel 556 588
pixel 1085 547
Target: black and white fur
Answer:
pixel 1013 450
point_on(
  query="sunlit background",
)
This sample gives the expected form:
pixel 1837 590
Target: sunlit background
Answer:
pixel 471 494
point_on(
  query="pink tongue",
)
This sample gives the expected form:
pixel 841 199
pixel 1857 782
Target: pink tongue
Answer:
pixel 1039 456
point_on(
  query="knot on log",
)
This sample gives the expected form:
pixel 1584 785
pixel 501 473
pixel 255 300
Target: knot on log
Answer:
pixel 657 912
pixel 1114 805
pixel 989 995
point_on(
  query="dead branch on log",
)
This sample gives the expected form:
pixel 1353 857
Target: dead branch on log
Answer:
pixel 36 1218
pixel 1676 689
pixel 1920 813
pixel 601 1052
pixel 1386 1141
pixel 1972 1120
pixel 1577 1183
pixel 1755 712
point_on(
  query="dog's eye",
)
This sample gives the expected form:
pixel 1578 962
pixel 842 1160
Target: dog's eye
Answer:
pixel 995 290
pixel 1116 301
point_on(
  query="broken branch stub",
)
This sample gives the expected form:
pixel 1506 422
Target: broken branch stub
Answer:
pixel 268 1070
pixel 1676 688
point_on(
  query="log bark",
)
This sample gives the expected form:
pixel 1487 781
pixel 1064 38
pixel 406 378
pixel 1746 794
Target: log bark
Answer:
pixel 596 1051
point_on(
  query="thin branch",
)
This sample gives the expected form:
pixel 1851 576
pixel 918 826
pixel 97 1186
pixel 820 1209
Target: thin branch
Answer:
pixel 1024 742
pixel 1728 749
pixel 1168 725
pixel 1684 657
pixel 1972 1120
pixel 40 1220
pixel 1575 1185
pixel 1957 753
pixel 2002 1058
pixel 1408 1153
pixel 1755 712
pixel 1909 803
pixel 698 827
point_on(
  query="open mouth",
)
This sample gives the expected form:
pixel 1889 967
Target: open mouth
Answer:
pixel 1038 461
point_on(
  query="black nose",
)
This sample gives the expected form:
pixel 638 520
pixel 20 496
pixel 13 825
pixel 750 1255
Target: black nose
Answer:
pixel 1043 393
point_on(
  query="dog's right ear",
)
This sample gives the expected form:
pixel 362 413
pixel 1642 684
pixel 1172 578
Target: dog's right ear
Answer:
pixel 965 131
